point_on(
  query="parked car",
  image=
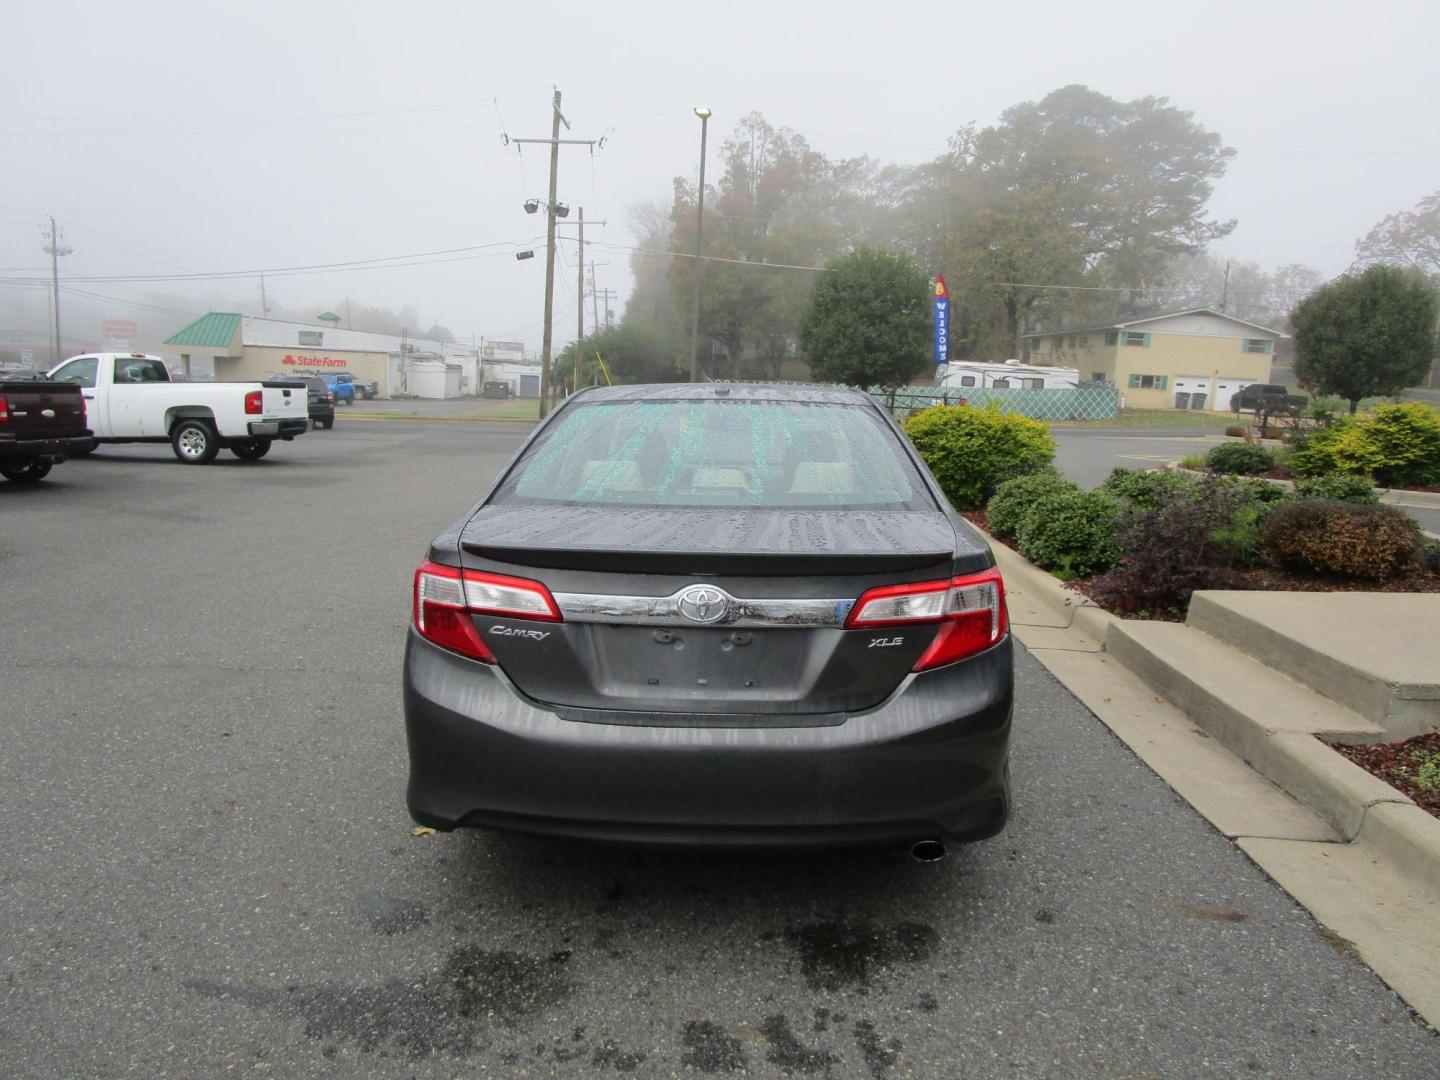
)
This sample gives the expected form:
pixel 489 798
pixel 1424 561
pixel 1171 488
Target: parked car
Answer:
pixel 319 400
pixel 40 424
pixel 1266 397
pixel 366 389
pixel 342 391
pixel 699 614
pixel 495 389
pixel 20 374
pixel 129 397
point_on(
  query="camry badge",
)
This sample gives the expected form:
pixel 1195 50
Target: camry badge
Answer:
pixel 702 604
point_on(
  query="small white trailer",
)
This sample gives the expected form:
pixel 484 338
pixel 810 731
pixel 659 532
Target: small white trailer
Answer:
pixel 1011 375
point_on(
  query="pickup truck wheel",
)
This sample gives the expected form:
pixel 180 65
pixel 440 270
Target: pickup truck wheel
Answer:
pixel 24 472
pixel 328 423
pixel 194 442
pixel 253 450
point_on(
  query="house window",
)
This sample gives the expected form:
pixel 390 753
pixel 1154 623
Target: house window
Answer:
pixel 1082 340
pixel 1059 342
pixel 1137 339
pixel 1257 345
pixel 1111 337
pixel 1098 377
pixel 312 339
pixel 1149 382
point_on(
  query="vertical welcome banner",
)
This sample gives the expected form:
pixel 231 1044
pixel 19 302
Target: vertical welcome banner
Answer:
pixel 942 322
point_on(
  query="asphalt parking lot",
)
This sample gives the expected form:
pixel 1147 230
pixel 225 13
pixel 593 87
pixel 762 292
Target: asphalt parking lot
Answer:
pixel 206 868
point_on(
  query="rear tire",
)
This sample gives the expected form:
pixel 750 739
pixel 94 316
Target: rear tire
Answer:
pixel 254 450
pixel 24 472
pixel 328 423
pixel 194 442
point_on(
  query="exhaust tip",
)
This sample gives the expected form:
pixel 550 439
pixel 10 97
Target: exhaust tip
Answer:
pixel 927 850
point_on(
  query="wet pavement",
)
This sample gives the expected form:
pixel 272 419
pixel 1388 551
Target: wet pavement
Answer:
pixel 206 867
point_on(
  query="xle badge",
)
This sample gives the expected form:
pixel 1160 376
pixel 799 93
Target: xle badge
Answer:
pixel 885 642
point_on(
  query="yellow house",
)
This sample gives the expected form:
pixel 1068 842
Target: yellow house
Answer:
pixel 1184 360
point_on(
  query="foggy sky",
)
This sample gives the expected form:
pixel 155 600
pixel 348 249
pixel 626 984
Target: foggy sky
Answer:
pixel 171 137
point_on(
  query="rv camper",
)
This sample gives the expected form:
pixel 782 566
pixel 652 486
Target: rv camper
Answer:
pixel 1011 375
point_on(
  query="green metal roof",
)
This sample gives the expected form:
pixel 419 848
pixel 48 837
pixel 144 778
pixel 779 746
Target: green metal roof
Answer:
pixel 213 331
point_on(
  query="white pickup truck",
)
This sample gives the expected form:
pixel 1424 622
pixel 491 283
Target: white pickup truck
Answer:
pixel 129 398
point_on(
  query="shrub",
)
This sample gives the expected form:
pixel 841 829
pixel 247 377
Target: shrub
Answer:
pixel 1250 504
pixel 1149 488
pixel 1408 439
pixel 1326 410
pixel 1338 487
pixel 971 451
pixel 1340 448
pixel 1014 499
pixel 1244 458
pixel 1238 431
pixel 1071 532
pixel 1195 461
pixel 1174 549
pixel 1374 542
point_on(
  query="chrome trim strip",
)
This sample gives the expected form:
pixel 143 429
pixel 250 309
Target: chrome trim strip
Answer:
pixel 666 610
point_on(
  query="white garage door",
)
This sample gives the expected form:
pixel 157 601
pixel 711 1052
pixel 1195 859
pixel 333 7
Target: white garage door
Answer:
pixel 1191 391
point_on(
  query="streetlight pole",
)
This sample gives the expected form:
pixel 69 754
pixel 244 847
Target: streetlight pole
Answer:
pixel 55 249
pixel 704 115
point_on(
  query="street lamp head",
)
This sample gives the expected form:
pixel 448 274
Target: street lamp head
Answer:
pixel 522 255
pixel 561 210
pixel 532 206
pixel 702 112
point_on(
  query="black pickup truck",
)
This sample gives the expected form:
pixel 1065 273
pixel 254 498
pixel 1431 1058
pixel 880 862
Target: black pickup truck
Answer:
pixel 1269 398
pixel 40 423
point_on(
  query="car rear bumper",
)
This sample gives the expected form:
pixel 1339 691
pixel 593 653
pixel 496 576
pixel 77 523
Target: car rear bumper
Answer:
pixel 930 762
pixel 49 449
pixel 279 429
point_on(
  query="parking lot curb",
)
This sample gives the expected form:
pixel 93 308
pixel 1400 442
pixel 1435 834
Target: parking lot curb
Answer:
pixel 1372 818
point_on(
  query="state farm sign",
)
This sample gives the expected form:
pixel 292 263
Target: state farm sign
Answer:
pixel 313 361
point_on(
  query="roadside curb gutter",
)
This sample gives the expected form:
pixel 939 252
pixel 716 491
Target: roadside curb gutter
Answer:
pixel 1239 741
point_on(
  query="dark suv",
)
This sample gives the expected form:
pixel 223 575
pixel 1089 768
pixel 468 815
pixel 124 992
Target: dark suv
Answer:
pixel 322 403
pixel 695 614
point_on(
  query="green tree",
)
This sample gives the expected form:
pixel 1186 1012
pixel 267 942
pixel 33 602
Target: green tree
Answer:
pixel 1410 239
pixel 868 322
pixel 1366 334
pixel 639 350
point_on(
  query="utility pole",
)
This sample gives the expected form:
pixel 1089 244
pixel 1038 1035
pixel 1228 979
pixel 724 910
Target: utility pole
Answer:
pixel 1225 293
pixel 580 306
pixel 595 295
pixel 554 142
pixel 704 115
pixel 55 249
pixel 264 302
pixel 608 294
pixel 580 295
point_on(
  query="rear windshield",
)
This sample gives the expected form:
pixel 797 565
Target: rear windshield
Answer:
pixel 769 454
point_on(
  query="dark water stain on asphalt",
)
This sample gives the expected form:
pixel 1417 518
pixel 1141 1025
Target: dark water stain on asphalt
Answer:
pixel 787 1051
pixel 837 954
pixel 1207 913
pixel 712 1049
pixel 391 914
pixel 880 1054
pixel 450 1010
pixel 609 1054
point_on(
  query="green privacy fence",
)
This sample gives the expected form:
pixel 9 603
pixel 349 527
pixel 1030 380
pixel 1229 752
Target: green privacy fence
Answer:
pixel 1092 401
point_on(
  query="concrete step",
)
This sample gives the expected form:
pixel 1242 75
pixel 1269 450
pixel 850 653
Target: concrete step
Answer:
pixel 1267 719
pixel 1377 654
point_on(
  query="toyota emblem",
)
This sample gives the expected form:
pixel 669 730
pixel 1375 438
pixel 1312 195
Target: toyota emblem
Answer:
pixel 702 604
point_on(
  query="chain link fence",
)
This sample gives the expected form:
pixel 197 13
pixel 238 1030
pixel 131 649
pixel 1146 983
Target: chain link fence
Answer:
pixel 1093 401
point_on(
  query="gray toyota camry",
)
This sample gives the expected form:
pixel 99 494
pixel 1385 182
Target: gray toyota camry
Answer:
pixel 707 614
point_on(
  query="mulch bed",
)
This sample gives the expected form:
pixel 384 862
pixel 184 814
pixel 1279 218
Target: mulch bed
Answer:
pixel 1397 764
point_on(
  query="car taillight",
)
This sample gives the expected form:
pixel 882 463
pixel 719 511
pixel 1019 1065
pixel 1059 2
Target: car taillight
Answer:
pixel 446 597
pixel 253 403
pixel 970 611
pixel 4 408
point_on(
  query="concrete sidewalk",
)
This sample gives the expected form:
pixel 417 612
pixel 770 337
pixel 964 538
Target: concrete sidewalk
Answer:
pixel 1227 709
